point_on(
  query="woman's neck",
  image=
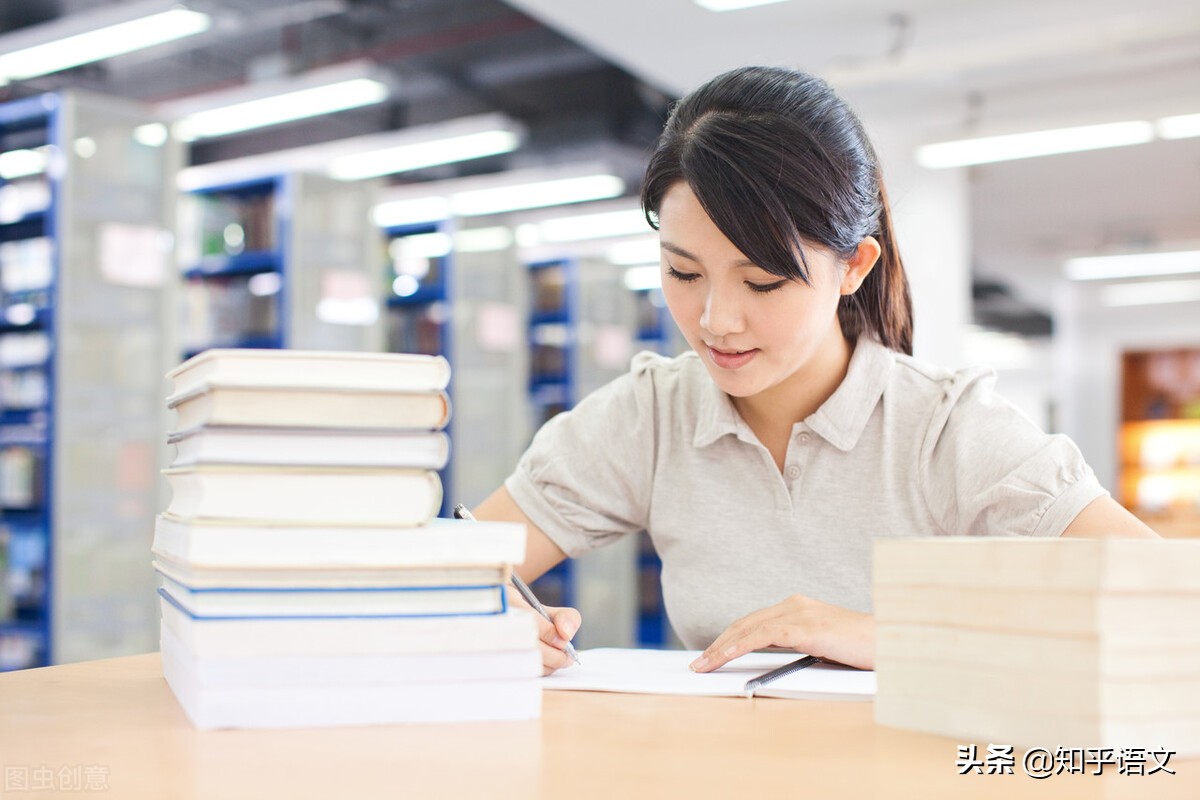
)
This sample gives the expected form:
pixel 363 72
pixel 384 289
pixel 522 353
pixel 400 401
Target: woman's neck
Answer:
pixel 802 393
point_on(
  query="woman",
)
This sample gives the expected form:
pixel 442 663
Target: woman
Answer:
pixel 764 463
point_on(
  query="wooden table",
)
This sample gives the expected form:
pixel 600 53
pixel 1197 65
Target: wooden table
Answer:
pixel 112 728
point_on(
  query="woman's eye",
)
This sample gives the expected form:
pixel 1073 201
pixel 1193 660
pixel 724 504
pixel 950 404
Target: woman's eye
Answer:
pixel 763 288
pixel 686 277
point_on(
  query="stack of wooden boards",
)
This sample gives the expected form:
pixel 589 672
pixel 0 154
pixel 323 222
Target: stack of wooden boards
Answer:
pixel 1041 643
pixel 305 577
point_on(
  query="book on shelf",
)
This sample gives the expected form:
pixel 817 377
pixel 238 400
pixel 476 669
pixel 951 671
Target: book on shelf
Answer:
pixel 200 576
pixel 279 406
pixel 214 706
pixel 329 601
pixel 311 496
pixel 227 444
pixel 384 372
pixel 349 669
pixel 515 629
pixel 439 544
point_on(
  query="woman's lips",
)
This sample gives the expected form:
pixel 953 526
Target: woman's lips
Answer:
pixel 731 359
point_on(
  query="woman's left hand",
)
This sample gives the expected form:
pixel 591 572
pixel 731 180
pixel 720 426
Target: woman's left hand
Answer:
pixel 798 623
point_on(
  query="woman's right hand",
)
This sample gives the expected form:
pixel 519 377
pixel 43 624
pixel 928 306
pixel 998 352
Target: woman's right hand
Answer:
pixel 553 637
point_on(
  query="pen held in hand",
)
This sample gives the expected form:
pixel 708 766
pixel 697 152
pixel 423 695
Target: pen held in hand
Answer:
pixel 461 512
pixel 779 672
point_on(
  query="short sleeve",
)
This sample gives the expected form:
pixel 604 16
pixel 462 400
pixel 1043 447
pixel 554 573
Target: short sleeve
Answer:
pixel 988 470
pixel 586 478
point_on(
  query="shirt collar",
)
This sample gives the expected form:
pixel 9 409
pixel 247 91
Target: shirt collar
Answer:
pixel 843 417
pixel 840 420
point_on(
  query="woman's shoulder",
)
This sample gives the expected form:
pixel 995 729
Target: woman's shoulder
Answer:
pixel 670 373
pixel 932 384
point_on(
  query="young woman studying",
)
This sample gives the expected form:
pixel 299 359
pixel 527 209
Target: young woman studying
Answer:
pixel 764 463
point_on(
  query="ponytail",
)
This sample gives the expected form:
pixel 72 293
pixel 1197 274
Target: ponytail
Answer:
pixel 882 306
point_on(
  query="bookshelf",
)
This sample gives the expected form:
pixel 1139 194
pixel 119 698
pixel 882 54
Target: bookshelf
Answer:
pixel 448 297
pixel 84 274
pixel 584 327
pixel 1159 439
pixel 278 261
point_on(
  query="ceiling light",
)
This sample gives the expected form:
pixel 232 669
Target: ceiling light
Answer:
pixel 495 194
pixel 536 195
pixel 732 5
pixel 424 154
pixel 636 252
pixel 639 279
pixel 94 36
pixel 1133 265
pixel 21 163
pixel 990 149
pixel 266 103
pixel 382 149
pixel 1180 127
pixel 1150 293
pixel 593 226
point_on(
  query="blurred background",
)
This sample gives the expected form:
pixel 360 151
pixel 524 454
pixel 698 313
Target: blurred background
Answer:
pixel 460 177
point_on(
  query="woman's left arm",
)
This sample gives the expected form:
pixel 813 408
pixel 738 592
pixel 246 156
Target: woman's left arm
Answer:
pixel 1106 518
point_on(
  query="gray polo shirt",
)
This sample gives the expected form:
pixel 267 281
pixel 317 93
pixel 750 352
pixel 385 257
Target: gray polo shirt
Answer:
pixel 902 448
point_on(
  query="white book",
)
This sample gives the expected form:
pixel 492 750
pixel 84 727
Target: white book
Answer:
pixel 228 444
pixel 290 603
pixel 344 577
pixel 611 669
pixel 514 630
pixel 306 495
pixel 338 705
pixel 440 543
pixel 279 406
pixel 249 671
pixel 312 368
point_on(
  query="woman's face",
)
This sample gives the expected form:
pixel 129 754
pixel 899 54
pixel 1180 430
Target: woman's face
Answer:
pixel 753 330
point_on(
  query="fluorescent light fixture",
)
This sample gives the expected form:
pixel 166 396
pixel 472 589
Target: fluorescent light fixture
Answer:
pixel 483 240
pixel 593 226
pixel 495 194
pixel 259 105
pixel 350 158
pixel 732 5
pixel 22 163
pixel 639 279
pixel 420 245
pixel 989 149
pixel 1133 265
pixel 635 253
pixel 1150 293
pixel 1181 127
pixel 94 36
pixel 152 134
pixel 536 195
pixel 424 154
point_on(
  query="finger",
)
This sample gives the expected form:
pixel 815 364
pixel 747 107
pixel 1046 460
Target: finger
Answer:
pixel 553 659
pixel 746 640
pixel 708 660
pixel 566 622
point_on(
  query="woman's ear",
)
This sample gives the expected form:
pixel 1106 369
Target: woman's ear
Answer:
pixel 860 264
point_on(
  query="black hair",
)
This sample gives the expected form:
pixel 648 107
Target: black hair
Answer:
pixel 776 158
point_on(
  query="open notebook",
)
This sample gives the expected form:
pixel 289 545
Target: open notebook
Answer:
pixel 666 672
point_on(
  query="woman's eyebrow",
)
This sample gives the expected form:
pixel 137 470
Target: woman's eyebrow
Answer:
pixel 679 251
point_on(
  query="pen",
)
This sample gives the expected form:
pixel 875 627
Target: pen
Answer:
pixel 779 672
pixel 460 512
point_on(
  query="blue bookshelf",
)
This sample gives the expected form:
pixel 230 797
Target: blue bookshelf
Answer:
pixel 418 307
pixel 81 361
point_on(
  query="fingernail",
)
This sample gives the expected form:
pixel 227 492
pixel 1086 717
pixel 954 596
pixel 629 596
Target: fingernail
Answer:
pixel 559 642
pixel 699 664
pixel 569 629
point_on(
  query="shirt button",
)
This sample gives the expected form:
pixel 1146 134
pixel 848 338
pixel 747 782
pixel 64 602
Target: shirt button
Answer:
pixel 793 472
pixel 803 438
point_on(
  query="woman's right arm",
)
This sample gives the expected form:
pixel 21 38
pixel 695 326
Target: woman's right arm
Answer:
pixel 540 555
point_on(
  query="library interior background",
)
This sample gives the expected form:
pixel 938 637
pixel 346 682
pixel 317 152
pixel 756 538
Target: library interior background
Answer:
pixel 460 177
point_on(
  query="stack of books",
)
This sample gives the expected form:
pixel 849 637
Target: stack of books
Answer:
pixel 305 578
pixel 1041 643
